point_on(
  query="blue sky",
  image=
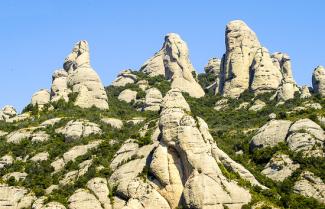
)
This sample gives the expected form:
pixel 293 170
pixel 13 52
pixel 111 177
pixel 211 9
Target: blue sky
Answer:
pixel 36 35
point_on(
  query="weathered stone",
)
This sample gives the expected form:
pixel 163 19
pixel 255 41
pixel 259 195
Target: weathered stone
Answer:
pixel 74 130
pixel 123 78
pixel 305 93
pixel 272 133
pixel 310 185
pixel 40 136
pixel 222 104
pixel 3 133
pixel 306 136
pixel 41 98
pixel 7 112
pixel 241 46
pixel 267 77
pixel 50 122
pixel 319 80
pixel 257 105
pixel 19 176
pixel 17 136
pixel 100 188
pixel 83 80
pixel 153 100
pixel 143 84
pixel 83 199
pixel 73 153
pixel 19 118
pixel 15 197
pixel 6 161
pixel 173 62
pixel 114 122
pixel 59 89
pixel 40 157
pixel 280 167
pixel 213 71
pixel 127 96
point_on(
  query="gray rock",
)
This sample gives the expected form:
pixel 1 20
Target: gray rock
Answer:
pixel 76 129
pixel 257 105
pixel 280 167
pixel 271 134
pixel 19 176
pixel 153 100
pixel 83 80
pixel 59 88
pixel 241 46
pixel 128 95
pixel 83 199
pixel 124 77
pixel 7 112
pixel 114 122
pixel 306 136
pixel 173 62
pixel 305 93
pixel 310 185
pixel 6 161
pixel 15 197
pixel 319 80
pixel 43 156
pixel 41 98
pixel 222 104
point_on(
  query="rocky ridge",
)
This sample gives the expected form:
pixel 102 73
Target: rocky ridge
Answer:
pixel 155 139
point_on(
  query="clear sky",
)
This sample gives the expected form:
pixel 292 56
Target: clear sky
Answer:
pixel 36 35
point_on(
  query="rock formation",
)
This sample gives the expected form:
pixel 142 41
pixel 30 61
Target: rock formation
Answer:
pixel 128 96
pixel 248 66
pixel 184 165
pixel 83 80
pixel 173 62
pixel 7 112
pixel 213 71
pixel 124 77
pixel 59 89
pixel 153 100
pixel 41 98
pixel 310 185
pixel 280 167
pixel 319 81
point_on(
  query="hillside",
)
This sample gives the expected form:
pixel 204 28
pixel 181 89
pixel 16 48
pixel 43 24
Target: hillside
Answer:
pixel 242 134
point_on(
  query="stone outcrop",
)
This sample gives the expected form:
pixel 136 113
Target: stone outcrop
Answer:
pixel 305 93
pixel 43 156
pixel 248 66
pixel 280 167
pixel 15 197
pixel 266 76
pixel 304 136
pixel 272 133
pixel 319 80
pixel 213 70
pixel 288 86
pixel 7 112
pixel 123 78
pixel 83 80
pixel 153 100
pixel 74 130
pixel 257 105
pixel 59 88
pixel 41 98
pixel 184 165
pixel 83 199
pixel 6 161
pixel 73 153
pixel 27 133
pixel 310 185
pixel 241 46
pixel 127 95
pixel 114 122
pixel 307 137
pixel 172 61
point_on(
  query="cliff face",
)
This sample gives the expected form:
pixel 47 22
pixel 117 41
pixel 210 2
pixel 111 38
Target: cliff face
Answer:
pixel 153 138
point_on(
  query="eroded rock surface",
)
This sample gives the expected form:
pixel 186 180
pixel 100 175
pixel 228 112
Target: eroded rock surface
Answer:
pixel 280 167
pixel 172 61
pixel 83 80
pixel 183 163
pixel 310 185
pixel 319 80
